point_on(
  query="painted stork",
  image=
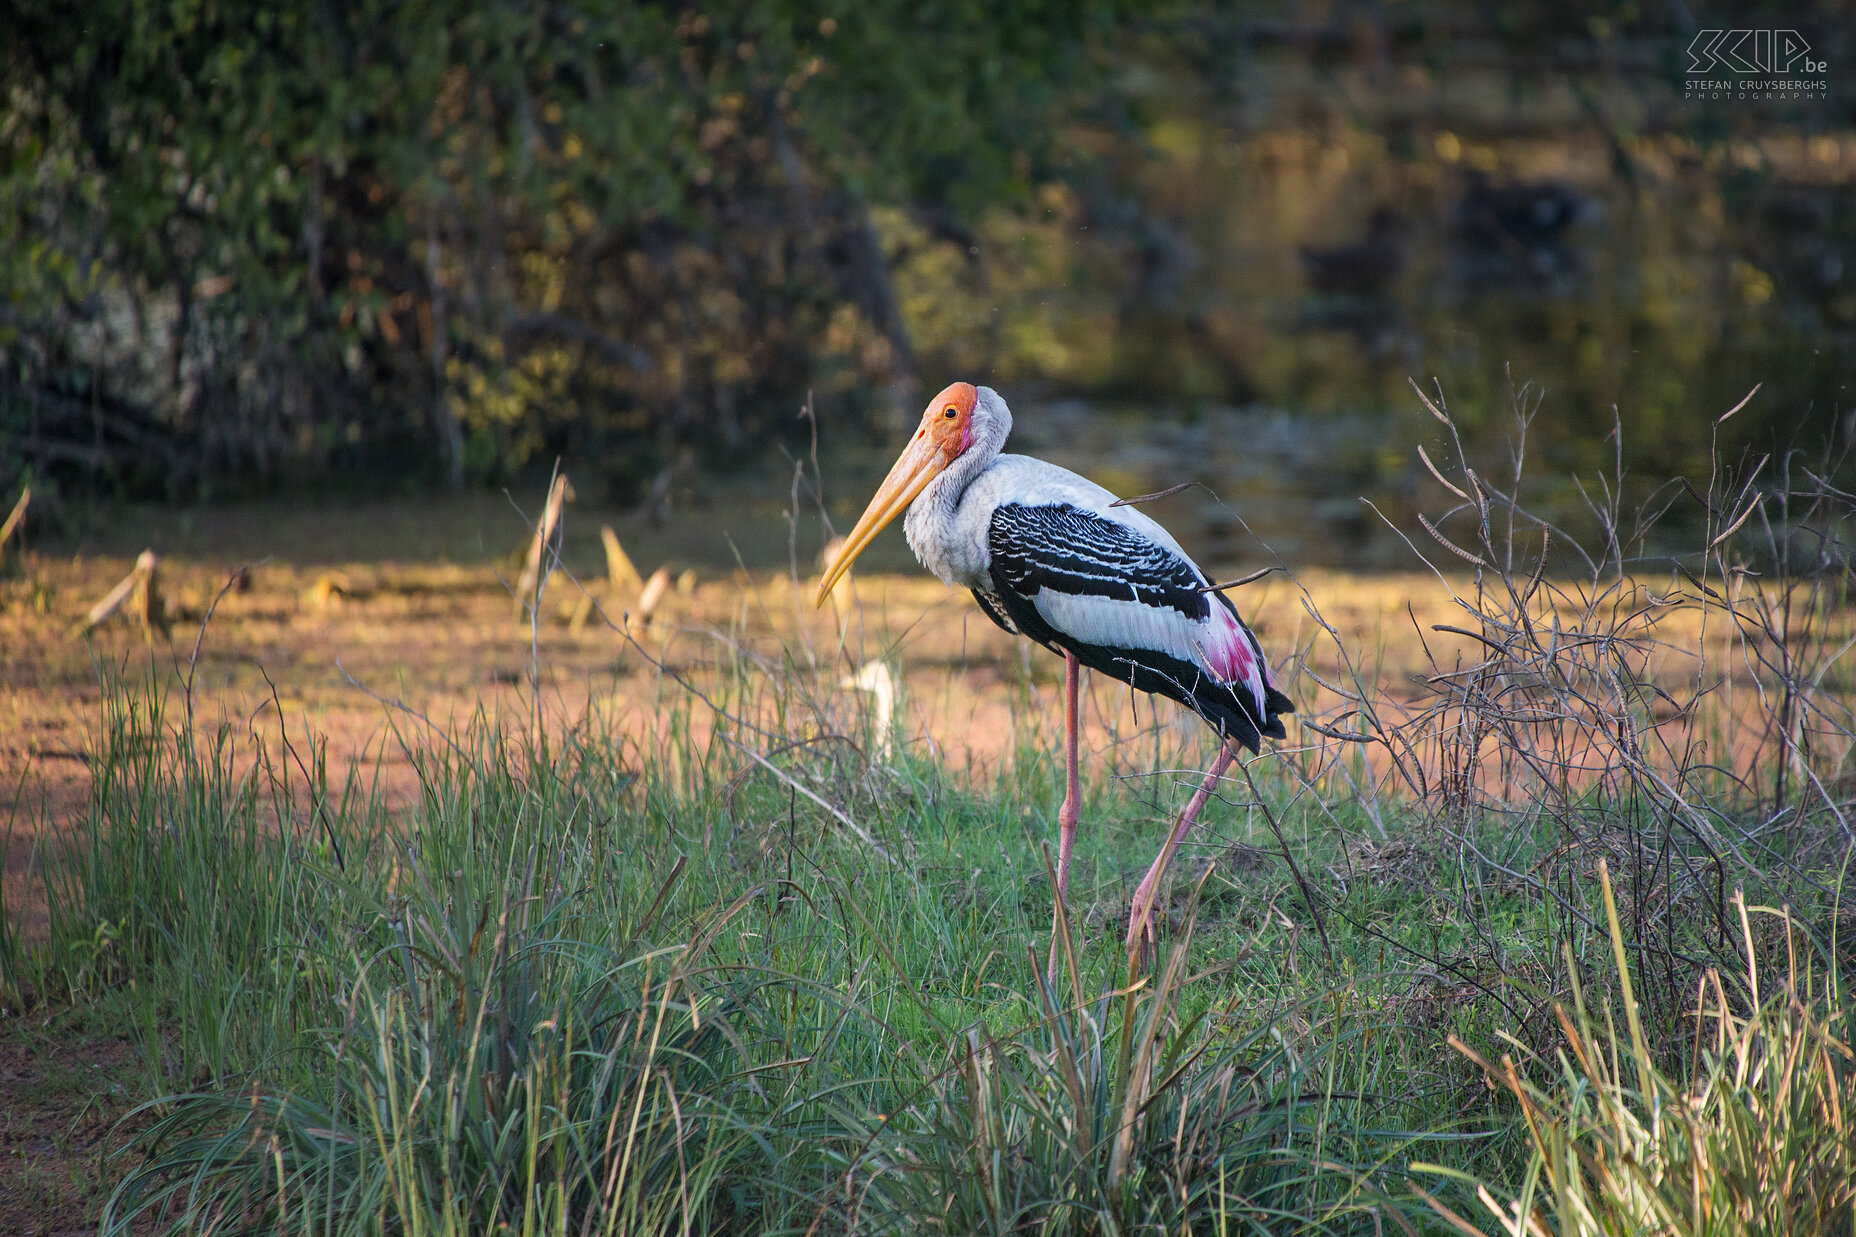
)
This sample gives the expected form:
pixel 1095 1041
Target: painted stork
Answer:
pixel 1049 555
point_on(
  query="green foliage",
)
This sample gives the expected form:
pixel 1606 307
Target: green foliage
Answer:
pixel 449 240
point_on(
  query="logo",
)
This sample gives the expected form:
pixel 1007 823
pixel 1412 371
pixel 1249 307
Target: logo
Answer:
pixel 1753 64
pixel 1752 51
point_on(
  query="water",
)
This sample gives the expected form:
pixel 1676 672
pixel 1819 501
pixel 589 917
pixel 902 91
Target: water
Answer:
pixel 1618 269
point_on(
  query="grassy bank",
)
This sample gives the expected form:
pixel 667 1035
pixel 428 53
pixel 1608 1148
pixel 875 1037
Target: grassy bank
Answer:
pixel 1555 925
pixel 626 991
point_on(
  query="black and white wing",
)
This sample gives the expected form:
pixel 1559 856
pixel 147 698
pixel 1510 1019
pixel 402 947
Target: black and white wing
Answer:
pixel 1132 608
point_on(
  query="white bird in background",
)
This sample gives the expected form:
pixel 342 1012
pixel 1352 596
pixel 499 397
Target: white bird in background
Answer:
pixel 876 679
pixel 1050 556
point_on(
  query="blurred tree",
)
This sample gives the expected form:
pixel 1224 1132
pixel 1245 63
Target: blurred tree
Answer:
pixel 301 236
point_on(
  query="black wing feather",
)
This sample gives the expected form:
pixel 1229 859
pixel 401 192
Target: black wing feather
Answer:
pixel 1070 550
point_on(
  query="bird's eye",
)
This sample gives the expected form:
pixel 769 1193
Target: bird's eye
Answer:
pixel 951 412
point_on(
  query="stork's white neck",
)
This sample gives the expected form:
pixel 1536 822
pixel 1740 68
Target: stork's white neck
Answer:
pixel 954 553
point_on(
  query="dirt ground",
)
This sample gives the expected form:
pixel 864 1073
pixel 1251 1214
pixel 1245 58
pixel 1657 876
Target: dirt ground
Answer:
pixel 350 627
pixel 348 608
pixel 68 1088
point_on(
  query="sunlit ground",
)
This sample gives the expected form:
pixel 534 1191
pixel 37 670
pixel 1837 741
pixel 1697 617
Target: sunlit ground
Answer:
pixel 361 633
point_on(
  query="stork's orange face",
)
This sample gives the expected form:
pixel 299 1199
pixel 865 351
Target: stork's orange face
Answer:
pixel 945 432
pixel 948 420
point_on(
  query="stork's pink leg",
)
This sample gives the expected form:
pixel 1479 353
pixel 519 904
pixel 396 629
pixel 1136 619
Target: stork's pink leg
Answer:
pixel 1140 911
pixel 1072 809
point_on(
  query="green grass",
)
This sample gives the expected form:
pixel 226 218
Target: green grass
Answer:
pixel 1755 1137
pixel 566 986
pixel 585 988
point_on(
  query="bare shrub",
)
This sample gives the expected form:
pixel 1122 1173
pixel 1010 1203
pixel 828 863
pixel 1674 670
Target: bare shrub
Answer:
pixel 1665 692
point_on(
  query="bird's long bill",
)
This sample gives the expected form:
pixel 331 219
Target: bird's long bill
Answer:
pixel 917 466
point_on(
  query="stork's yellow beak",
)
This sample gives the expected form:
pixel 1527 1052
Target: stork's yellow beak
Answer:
pixel 920 463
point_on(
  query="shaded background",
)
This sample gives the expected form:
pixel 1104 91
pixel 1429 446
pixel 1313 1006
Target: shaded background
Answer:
pixel 388 249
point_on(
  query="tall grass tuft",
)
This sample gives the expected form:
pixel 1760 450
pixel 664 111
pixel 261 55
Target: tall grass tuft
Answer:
pixel 1122 1114
pixel 1759 1139
pixel 496 1064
